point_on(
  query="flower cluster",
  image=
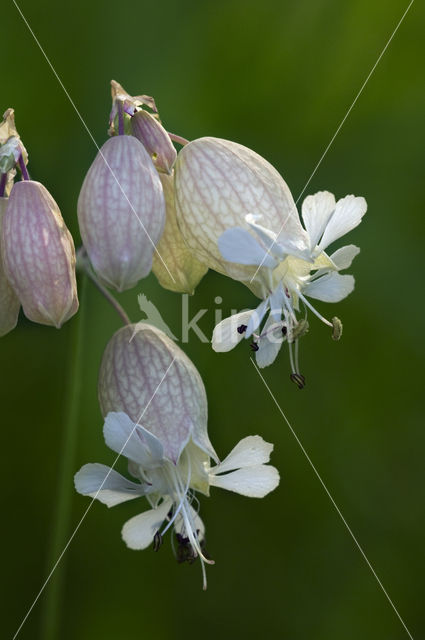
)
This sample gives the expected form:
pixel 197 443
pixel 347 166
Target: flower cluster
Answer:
pixel 144 207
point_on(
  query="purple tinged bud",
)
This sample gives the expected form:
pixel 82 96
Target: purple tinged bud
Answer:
pixel 9 301
pixel 39 255
pixel 121 212
pixel 155 139
pixel 146 375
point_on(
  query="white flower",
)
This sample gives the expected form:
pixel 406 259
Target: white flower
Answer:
pixel 287 276
pixel 169 487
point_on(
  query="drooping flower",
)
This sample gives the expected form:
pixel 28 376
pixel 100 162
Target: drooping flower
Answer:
pixel 121 212
pixel 155 408
pixel 287 278
pixel 170 486
pixel 38 255
pixel 217 183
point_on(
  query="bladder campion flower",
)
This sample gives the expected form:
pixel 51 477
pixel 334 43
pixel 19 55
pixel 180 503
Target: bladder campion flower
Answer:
pixel 286 280
pixel 217 183
pixel 155 408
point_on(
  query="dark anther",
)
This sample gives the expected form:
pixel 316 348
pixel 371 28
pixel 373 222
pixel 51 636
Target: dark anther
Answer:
pixel 242 328
pixel 284 330
pixel 299 380
pixel 157 541
pixel 254 346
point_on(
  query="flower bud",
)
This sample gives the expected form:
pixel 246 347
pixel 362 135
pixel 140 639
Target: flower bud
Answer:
pixel 186 270
pixel 217 184
pixel 155 139
pixel 9 301
pixel 12 152
pixel 121 212
pixel 129 104
pixel 147 376
pixel 39 255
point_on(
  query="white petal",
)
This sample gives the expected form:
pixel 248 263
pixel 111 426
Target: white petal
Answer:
pixel 348 214
pixel 249 452
pixel 269 346
pixel 330 288
pixel 268 238
pixel 139 532
pixel 276 301
pixel 343 257
pixel 237 245
pixel 130 440
pixel 226 335
pixel 198 525
pixel 316 211
pixel 256 318
pixel 254 482
pixel 103 483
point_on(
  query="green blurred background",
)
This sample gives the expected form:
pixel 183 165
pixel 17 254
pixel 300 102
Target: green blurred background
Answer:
pixel 277 76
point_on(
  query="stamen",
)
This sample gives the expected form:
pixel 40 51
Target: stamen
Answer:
pixel 297 364
pixel 299 380
pixel 337 328
pixel 181 495
pixel 242 328
pixel 300 329
pixel 157 541
pixel 316 313
pixel 291 359
pixel 254 346
pixel 193 536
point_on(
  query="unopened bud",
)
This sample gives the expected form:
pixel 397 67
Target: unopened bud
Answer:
pixel 127 103
pixel 146 375
pixel 155 139
pixel 121 212
pixel 39 255
pixel 175 266
pixel 9 301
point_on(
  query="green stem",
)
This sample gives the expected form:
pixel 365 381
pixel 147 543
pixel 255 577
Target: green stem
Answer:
pixel 106 294
pixel 62 515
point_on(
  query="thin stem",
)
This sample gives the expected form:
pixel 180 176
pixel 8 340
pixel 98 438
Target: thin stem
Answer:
pixel 109 297
pixel 175 138
pixel 23 168
pixel 54 593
